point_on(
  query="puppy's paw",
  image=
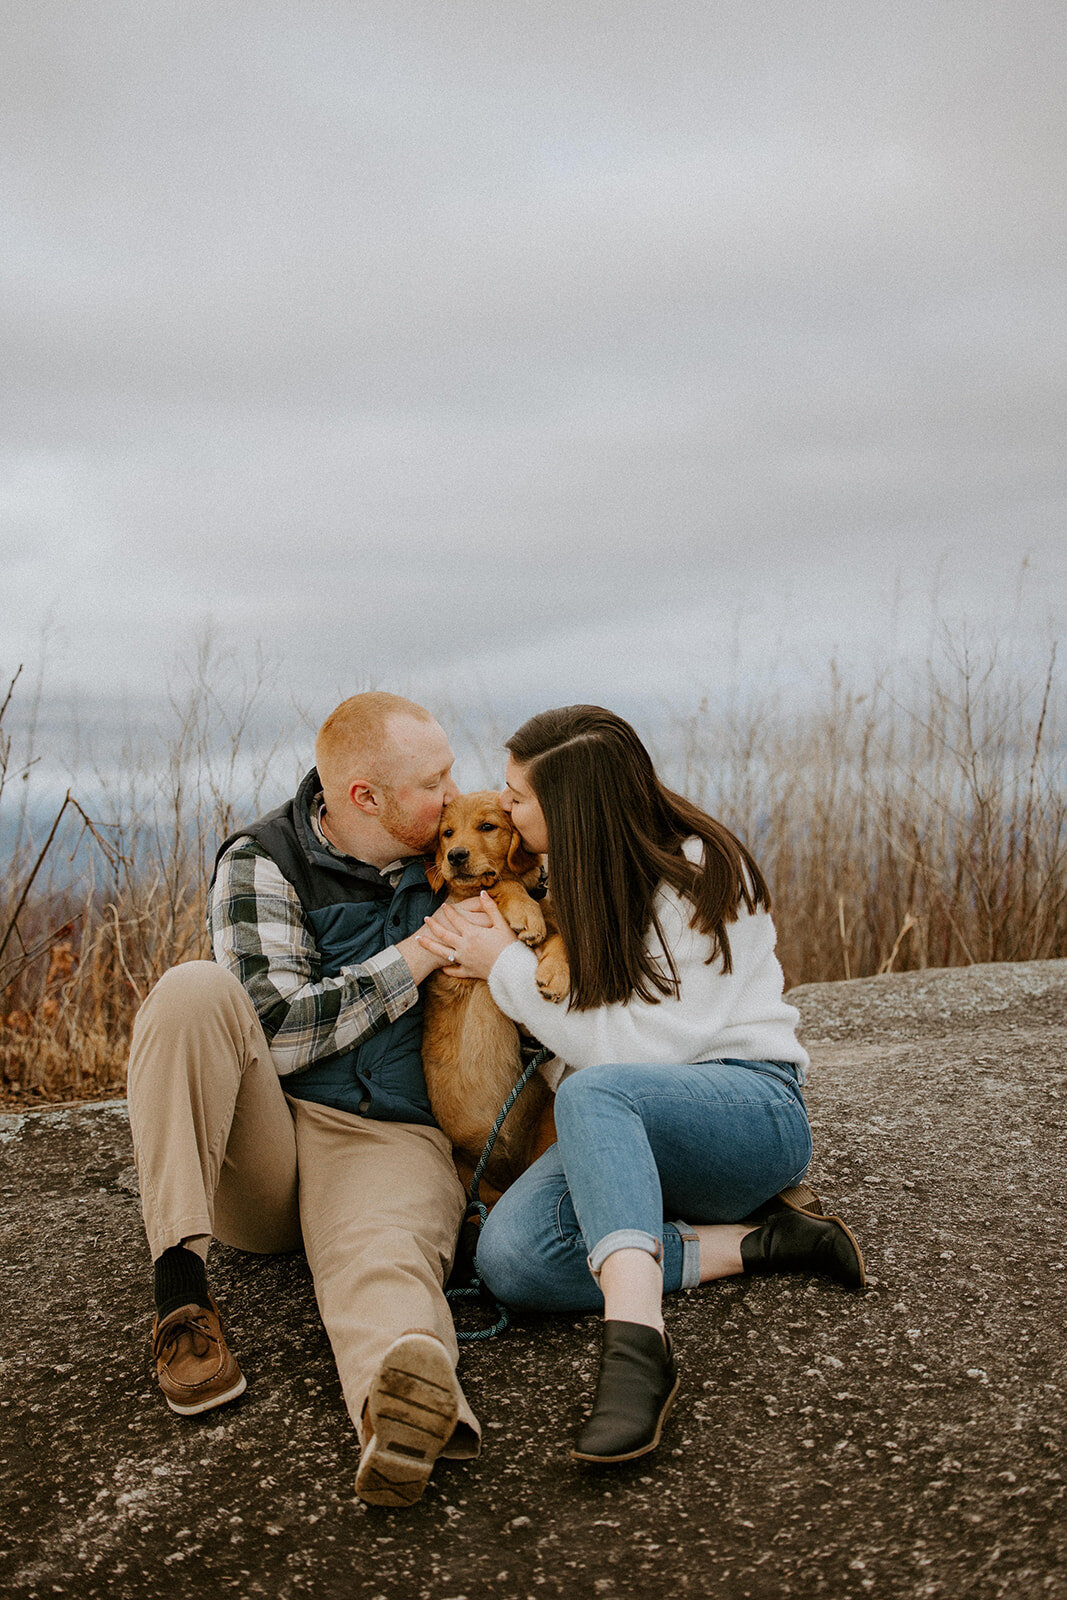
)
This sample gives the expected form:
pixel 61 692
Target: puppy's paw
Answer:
pixel 553 977
pixel 528 924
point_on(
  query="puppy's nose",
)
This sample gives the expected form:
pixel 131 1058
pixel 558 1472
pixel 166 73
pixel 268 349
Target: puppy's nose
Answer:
pixel 457 857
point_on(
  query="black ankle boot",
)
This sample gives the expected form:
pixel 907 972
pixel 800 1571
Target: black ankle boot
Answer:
pixel 794 1241
pixel 635 1391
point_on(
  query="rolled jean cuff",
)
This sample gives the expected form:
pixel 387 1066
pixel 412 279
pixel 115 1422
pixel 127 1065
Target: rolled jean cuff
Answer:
pixel 690 1255
pixel 624 1239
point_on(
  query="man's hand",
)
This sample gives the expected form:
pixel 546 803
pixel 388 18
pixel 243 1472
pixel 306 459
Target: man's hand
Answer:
pixel 420 959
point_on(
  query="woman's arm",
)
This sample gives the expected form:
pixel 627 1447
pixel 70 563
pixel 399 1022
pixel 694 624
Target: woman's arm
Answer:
pixel 673 1030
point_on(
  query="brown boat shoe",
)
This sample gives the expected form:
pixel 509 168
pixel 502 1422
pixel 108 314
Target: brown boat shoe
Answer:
pixel 196 1370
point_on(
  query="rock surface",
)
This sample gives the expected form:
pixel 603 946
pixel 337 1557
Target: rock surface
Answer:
pixel 905 1441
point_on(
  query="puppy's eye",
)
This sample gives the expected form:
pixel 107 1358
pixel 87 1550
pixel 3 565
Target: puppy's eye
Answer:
pixel 487 827
pixel 446 833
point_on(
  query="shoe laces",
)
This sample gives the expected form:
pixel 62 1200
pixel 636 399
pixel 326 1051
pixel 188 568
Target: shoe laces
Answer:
pixel 198 1331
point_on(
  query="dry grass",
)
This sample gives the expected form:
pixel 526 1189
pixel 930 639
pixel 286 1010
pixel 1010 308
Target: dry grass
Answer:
pixel 899 833
pixel 897 830
pixel 93 913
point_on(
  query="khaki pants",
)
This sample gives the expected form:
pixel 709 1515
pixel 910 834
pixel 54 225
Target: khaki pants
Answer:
pixel 218 1145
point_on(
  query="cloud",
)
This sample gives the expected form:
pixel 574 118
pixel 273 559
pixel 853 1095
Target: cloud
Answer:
pixel 478 343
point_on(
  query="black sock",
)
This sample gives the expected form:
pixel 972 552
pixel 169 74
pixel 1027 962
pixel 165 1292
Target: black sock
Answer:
pixel 181 1280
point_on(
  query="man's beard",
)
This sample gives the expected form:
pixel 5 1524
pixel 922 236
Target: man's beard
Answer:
pixel 401 826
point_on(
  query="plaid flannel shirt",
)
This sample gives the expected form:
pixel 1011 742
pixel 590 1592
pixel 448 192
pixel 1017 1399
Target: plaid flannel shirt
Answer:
pixel 258 933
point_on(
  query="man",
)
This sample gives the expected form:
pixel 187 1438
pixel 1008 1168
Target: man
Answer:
pixel 298 1047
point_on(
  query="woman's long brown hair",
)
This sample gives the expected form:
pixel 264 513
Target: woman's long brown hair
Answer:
pixel 615 832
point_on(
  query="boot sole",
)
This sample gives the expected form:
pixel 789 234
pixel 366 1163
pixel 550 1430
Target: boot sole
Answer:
pixel 646 1449
pixel 412 1408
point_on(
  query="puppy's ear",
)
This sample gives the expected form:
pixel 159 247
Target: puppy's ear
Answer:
pixel 435 877
pixel 520 861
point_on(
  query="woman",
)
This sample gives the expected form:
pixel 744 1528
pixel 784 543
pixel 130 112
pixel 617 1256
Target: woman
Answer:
pixel 680 1093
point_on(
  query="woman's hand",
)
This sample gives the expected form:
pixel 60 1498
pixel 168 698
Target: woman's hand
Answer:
pixel 474 937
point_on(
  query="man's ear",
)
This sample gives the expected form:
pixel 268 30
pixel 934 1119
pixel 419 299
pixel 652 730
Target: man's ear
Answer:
pixel 363 797
pixel 520 861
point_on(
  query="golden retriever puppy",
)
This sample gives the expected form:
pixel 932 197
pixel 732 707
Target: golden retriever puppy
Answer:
pixel 470 1051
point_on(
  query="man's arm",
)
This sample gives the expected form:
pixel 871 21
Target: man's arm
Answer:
pixel 259 934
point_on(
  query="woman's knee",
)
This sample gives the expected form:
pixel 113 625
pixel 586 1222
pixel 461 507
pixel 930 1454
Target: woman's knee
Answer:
pixel 584 1094
pixel 584 1086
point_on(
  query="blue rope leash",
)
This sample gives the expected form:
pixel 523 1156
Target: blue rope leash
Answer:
pixel 476 1209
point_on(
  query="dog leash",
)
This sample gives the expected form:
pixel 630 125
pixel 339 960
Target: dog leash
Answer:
pixel 477 1210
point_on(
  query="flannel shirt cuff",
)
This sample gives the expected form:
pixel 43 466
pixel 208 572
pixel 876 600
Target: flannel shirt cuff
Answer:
pixel 393 980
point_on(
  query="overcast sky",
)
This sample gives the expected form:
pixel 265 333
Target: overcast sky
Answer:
pixel 532 351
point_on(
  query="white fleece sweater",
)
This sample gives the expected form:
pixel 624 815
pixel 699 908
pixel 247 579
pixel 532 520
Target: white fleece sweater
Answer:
pixel 739 1015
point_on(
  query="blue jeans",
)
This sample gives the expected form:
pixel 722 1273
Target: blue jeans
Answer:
pixel 637 1144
